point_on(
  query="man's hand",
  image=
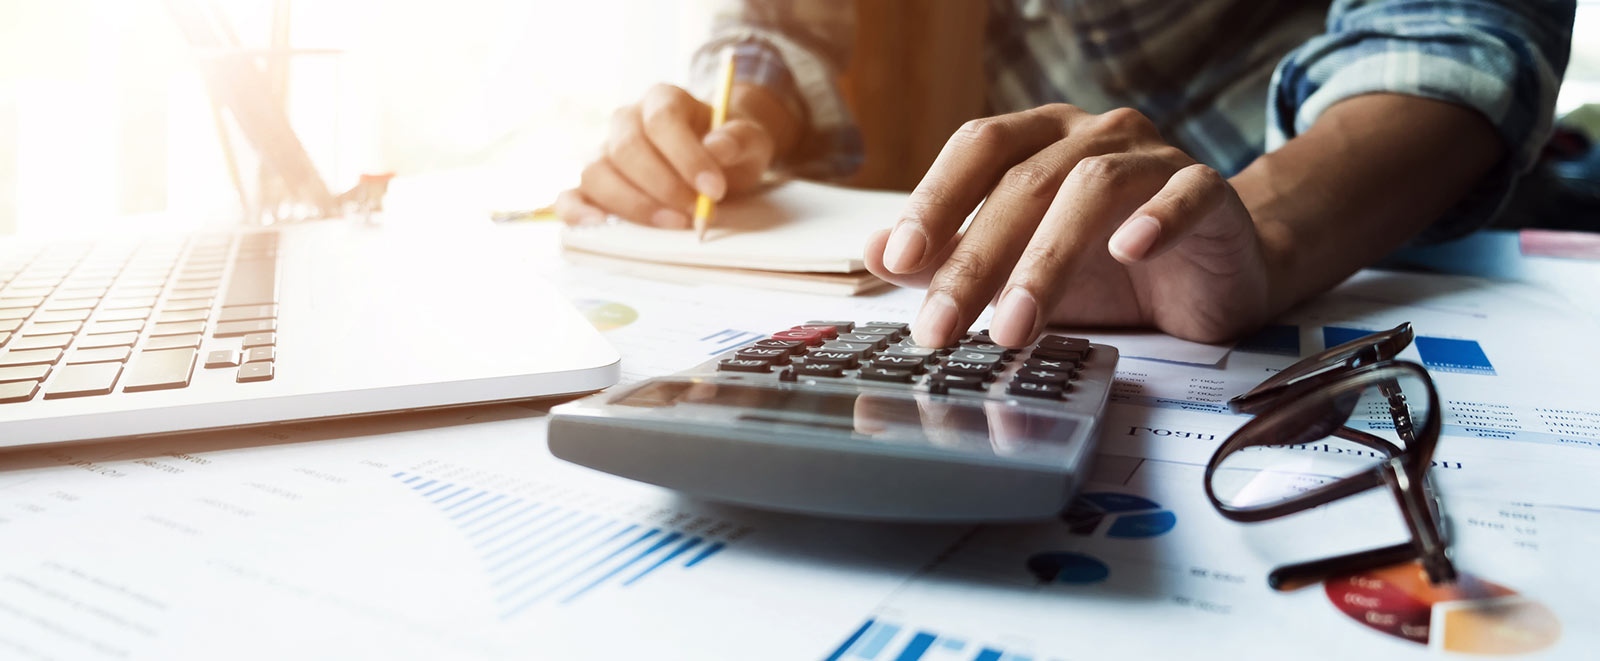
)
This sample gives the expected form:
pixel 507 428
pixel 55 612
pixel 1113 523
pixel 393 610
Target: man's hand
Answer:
pixel 658 156
pixel 1089 219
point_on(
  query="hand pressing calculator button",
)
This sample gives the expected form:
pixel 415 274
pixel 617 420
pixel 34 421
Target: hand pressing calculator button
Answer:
pixel 853 419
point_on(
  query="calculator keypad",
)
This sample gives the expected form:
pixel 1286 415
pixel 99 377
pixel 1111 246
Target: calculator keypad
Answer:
pixel 881 353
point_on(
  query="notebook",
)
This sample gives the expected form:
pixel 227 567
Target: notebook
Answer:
pixel 788 236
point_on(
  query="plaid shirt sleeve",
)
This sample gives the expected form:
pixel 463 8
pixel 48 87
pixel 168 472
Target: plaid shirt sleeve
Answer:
pixel 1503 58
pixel 796 49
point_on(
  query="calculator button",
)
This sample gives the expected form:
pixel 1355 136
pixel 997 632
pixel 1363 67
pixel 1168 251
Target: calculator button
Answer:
pixel 1051 352
pixel 916 365
pixel 843 359
pixel 877 341
pixel 924 353
pixel 1043 376
pixel 894 333
pixel 986 347
pixel 812 338
pixel 1032 389
pixel 1069 343
pixel 828 332
pixel 853 347
pixel 903 327
pixel 958 382
pixel 790 346
pixel 743 365
pixel 975 357
pixel 980 370
pixel 773 356
pixel 838 326
pixel 819 369
pixel 1056 364
pixel 887 374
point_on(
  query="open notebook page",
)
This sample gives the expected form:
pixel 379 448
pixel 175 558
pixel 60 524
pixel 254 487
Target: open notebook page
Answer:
pixel 795 226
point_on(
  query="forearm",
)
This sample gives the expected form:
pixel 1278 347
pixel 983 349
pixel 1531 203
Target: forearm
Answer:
pixel 1371 173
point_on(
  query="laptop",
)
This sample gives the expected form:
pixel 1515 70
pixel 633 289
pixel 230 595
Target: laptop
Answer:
pixel 129 337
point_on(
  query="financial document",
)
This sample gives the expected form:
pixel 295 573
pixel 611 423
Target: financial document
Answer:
pixel 454 534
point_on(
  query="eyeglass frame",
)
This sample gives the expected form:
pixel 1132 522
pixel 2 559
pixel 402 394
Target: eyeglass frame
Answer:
pixel 1355 365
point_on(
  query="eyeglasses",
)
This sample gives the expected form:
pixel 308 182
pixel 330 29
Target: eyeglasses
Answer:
pixel 1301 451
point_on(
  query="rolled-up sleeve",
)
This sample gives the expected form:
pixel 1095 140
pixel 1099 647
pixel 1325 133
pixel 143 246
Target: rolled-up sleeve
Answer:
pixel 1502 58
pixel 796 49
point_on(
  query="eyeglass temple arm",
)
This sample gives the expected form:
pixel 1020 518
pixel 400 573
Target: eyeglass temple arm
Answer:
pixel 1293 577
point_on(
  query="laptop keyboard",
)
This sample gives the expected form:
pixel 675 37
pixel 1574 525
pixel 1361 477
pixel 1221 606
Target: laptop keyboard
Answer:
pixel 82 319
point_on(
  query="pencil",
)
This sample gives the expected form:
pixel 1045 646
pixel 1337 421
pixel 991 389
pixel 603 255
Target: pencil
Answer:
pixel 703 206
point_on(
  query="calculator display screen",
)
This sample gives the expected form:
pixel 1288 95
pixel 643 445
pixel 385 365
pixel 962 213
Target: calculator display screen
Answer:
pixel 958 424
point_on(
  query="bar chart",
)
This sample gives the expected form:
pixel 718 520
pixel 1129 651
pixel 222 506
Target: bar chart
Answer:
pixel 1438 353
pixel 546 551
pixel 876 639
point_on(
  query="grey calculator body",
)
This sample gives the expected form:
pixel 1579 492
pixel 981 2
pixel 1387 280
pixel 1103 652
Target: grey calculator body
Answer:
pixel 848 446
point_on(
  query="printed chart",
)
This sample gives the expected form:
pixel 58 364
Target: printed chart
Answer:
pixel 886 640
pixel 1473 616
pixel 536 551
pixel 1110 514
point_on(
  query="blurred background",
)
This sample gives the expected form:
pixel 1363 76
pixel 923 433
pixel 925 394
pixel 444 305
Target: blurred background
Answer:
pixel 103 113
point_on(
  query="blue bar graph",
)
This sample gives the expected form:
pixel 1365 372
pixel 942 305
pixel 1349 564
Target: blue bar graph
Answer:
pixel 1438 353
pixel 876 640
pixel 726 339
pixel 535 552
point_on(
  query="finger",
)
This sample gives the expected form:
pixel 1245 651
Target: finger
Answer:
pixel 632 154
pixel 967 280
pixel 674 120
pixel 872 255
pixel 969 165
pixel 609 190
pixel 1100 190
pixel 1189 197
pixel 573 209
pixel 744 151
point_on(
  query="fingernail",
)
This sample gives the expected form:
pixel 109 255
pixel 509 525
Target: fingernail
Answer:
pixel 669 219
pixel 710 184
pixel 936 322
pixel 1014 318
pixel 1135 238
pixel 903 253
pixel 722 148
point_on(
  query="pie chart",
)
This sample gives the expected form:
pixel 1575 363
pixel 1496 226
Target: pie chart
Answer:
pixel 1472 616
pixel 606 315
pixel 1130 516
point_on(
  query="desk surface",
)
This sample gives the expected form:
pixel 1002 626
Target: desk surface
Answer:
pixel 454 534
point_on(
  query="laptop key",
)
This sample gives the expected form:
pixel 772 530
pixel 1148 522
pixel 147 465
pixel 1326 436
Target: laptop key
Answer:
pixel 24 373
pixel 30 357
pixel 170 316
pixel 15 314
pixel 41 342
pixel 248 312
pixel 251 372
pixel 105 327
pixel 108 340
pixel 159 370
pixel 98 355
pixel 268 339
pixel 84 380
pixel 172 342
pixel 8 325
pixel 53 327
pixel 178 328
pixel 61 315
pixel 222 358
pixel 237 328
pixel 123 315
pixel 254 282
pixel 18 391
pixel 186 304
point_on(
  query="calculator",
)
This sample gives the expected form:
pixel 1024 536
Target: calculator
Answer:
pixel 855 420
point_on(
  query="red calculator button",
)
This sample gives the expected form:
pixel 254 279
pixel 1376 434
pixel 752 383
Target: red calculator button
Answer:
pixel 810 337
pixel 828 331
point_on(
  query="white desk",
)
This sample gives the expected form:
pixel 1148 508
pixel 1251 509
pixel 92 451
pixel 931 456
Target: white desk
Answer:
pixel 455 535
